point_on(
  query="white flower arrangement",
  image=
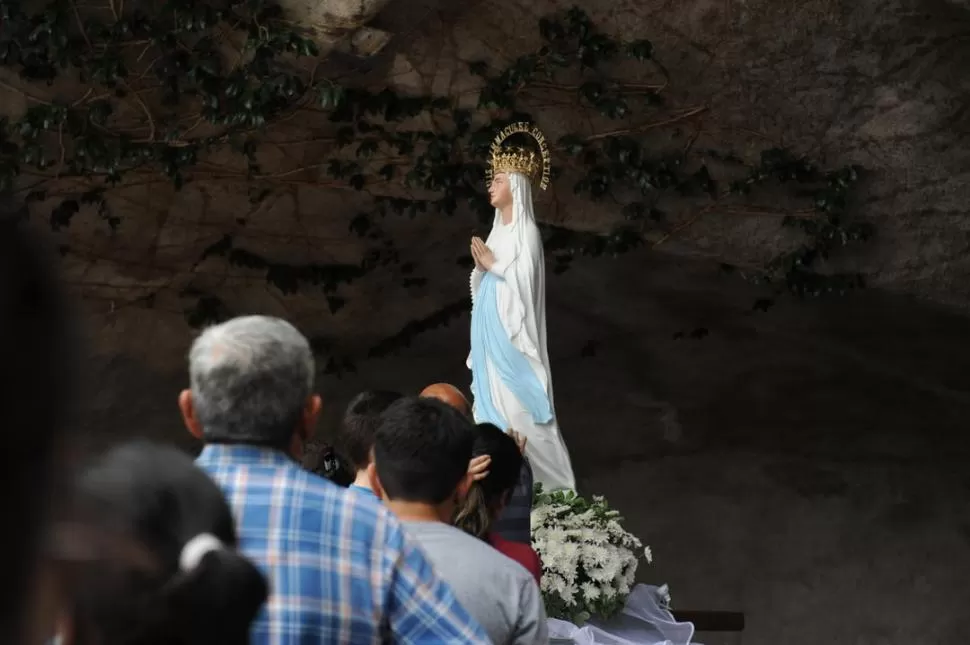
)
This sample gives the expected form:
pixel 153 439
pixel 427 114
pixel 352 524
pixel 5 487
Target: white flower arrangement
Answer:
pixel 589 562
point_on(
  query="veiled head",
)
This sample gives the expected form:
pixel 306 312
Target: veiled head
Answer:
pixel 500 191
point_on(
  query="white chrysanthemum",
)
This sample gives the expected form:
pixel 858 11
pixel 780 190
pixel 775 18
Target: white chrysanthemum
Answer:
pixel 595 554
pixel 590 591
pixel 557 535
pixel 630 575
pixel 593 536
pixel 539 515
pixel 589 561
pixel 553 582
pixel 569 595
pixel 606 572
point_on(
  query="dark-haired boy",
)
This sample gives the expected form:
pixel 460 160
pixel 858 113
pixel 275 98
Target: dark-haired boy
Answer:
pixel 421 451
pixel 355 439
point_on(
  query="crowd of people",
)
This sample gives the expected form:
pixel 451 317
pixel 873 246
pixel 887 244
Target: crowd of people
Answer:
pixel 428 544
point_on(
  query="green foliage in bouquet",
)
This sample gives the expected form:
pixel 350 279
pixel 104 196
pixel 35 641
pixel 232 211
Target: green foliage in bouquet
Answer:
pixel 589 561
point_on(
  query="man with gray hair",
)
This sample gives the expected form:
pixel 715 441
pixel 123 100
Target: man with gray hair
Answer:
pixel 252 383
pixel 339 566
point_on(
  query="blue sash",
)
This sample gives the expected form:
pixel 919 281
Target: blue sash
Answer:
pixel 491 344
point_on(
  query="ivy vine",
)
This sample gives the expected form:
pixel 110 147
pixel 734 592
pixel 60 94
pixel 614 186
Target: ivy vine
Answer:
pixel 161 95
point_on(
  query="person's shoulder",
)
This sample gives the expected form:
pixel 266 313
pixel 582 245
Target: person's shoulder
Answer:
pixel 486 554
pixel 317 492
pixel 317 488
pixel 297 482
pixel 511 568
pixel 430 534
pixel 360 517
pixel 313 483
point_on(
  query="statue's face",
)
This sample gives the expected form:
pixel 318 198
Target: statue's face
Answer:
pixel 500 192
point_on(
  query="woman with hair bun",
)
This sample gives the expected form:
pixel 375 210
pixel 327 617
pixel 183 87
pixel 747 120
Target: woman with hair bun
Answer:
pixel 149 556
pixel 487 497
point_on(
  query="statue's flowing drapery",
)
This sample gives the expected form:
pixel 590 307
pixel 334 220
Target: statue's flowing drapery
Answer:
pixel 511 378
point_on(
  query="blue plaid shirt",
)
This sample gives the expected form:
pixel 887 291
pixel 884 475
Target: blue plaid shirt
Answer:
pixel 339 566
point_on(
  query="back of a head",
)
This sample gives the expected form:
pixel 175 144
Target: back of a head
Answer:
pixel 37 351
pixel 506 464
pixel 447 393
pixel 251 377
pixel 421 450
pixel 359 425
pixel 181 582
pixel 476 513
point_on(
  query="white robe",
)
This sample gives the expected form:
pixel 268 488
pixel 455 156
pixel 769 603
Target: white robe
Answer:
pixel 521 294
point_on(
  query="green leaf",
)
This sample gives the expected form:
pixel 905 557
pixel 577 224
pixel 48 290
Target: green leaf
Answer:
pixel 592 91
pixel 331 96
pixel 62 215
pixel 763 304
pixel 635 211
pixel 367 148
pixel 551 30
pixel 335 169
pixel 573 144
pixel 706 181
pixel 578 22
pixel 640 50
pixel 600 48
pixel 462 120
pixel 99 111
pixel 614 109
pixel 361 224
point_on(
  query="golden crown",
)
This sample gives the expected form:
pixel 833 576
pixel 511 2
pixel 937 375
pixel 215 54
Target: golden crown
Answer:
pixel 535 166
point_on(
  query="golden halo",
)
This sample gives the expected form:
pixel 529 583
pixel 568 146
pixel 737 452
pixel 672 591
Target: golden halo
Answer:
pixel 516 159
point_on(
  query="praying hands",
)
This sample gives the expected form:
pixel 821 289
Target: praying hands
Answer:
pixel 483 256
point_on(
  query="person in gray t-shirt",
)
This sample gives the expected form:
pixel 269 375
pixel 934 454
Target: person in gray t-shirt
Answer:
pixel 421 453
pixel 495 589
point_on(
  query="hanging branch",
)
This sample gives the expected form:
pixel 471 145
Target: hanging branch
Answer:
pixel 162 102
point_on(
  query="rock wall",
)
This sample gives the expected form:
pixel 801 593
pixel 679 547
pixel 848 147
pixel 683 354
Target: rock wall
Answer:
pixel 873 83
pixel 804 465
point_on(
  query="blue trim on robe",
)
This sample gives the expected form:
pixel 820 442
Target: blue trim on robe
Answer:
pixel 491 344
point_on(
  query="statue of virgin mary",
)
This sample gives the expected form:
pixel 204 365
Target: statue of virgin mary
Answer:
pixel 509 360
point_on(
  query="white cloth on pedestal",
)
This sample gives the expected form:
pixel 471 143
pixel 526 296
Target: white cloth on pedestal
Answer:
pixel 643 621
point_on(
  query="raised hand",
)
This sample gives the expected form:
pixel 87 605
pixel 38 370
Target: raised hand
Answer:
pixel 478 467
